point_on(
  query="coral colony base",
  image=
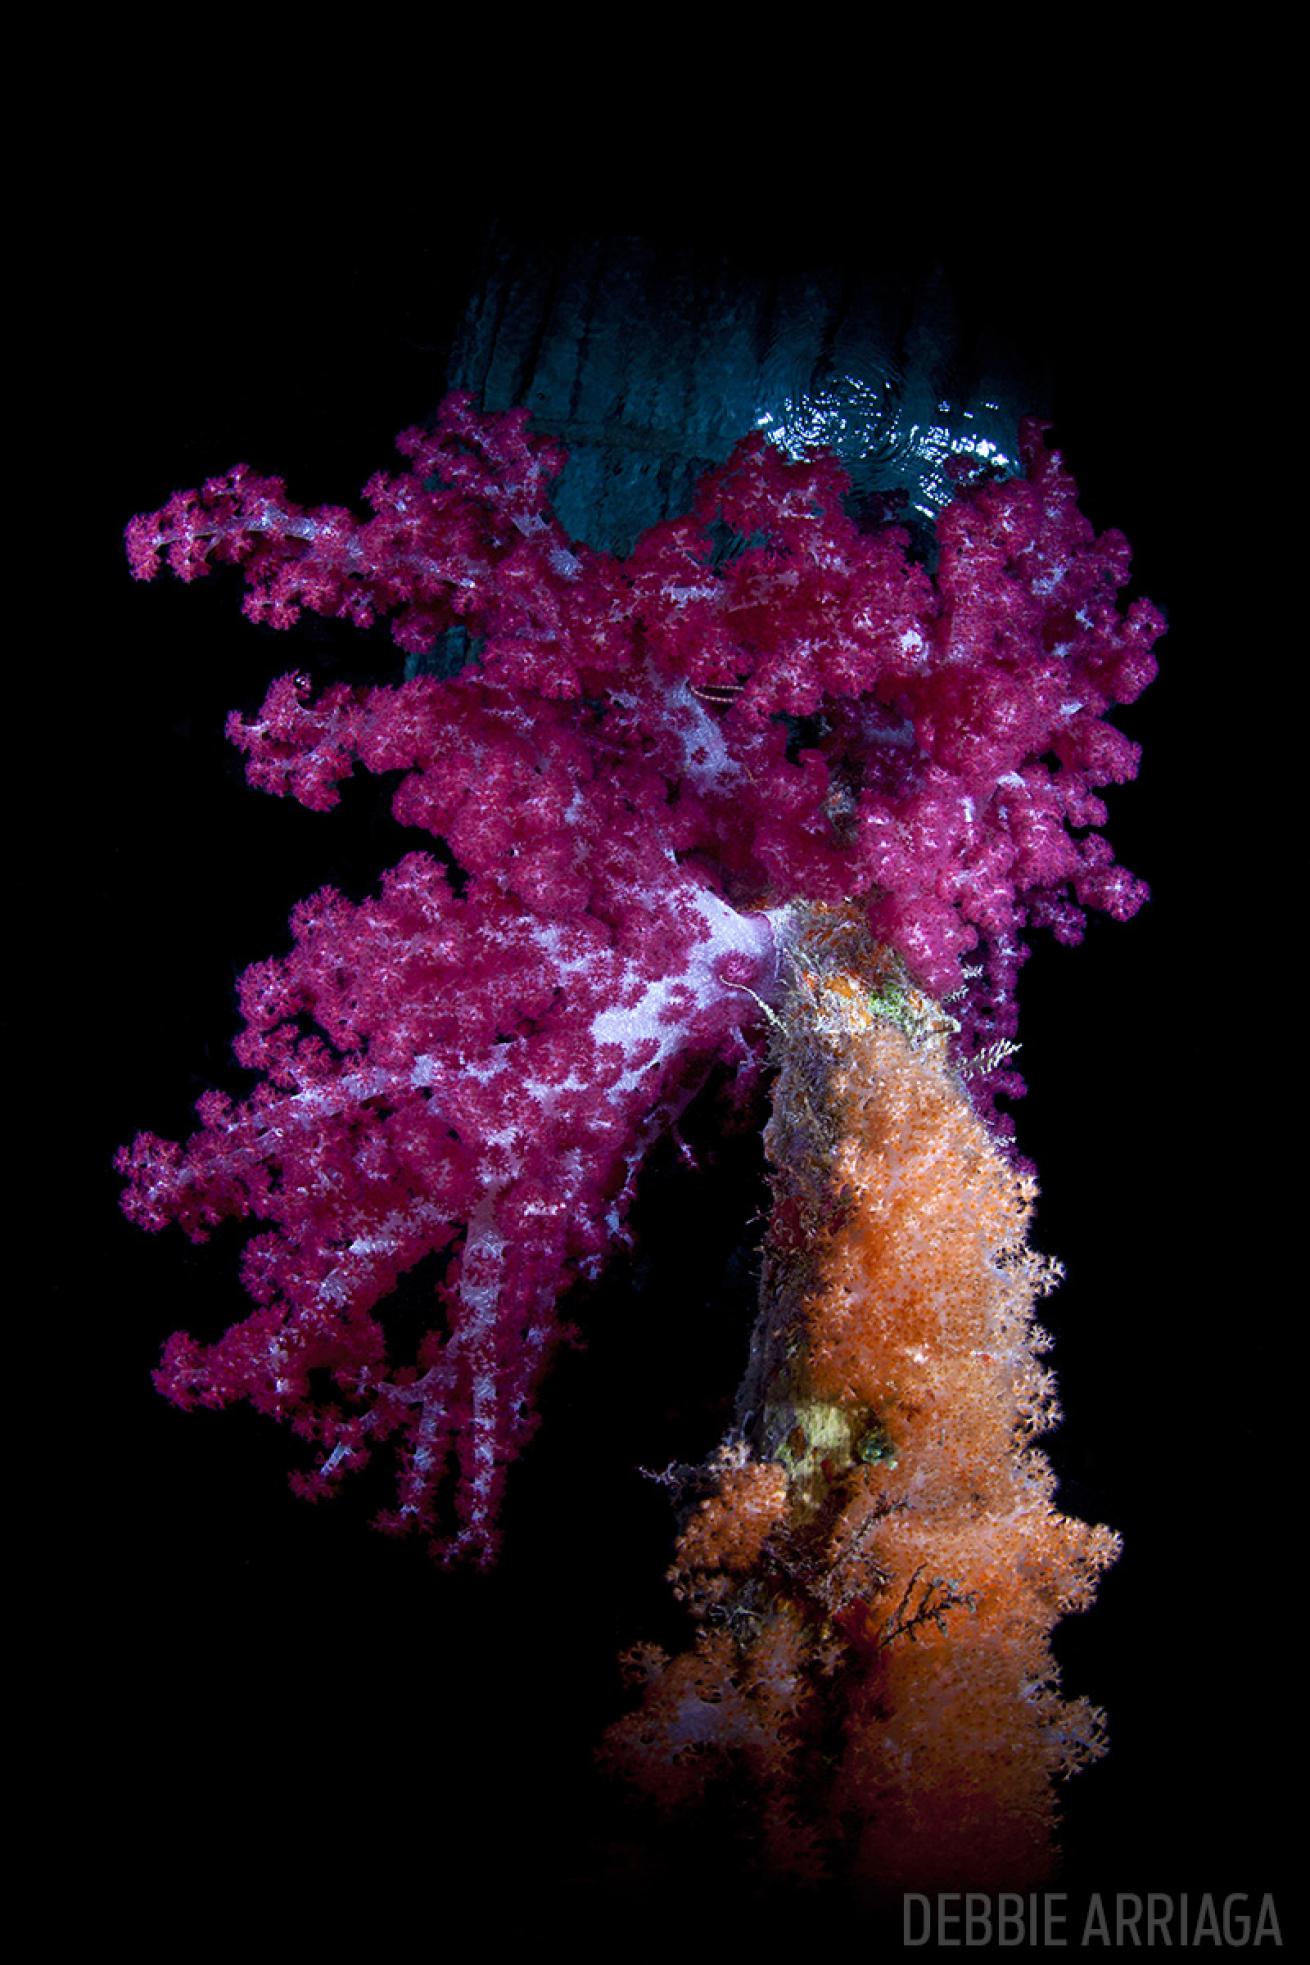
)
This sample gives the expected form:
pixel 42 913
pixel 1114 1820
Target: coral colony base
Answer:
pixel 765 797
pixel 877 1564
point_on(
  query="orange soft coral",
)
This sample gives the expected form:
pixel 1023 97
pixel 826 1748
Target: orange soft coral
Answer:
pixel 880 1562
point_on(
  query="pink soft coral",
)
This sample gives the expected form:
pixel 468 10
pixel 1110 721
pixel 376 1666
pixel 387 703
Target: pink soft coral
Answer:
pixel 647 763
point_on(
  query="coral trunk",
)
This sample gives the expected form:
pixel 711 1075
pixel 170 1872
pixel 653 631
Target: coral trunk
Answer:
pixel 874 1559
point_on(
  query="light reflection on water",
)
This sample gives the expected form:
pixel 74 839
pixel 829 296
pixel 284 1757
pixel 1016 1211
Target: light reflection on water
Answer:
pixel 868 428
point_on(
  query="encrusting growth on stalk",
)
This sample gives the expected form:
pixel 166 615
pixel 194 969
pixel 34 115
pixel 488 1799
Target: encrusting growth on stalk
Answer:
pixel 880 1563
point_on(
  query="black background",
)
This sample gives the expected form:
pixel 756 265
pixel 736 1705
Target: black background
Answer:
pixel 256 1702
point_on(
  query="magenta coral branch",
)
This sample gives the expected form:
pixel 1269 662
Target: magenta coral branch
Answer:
pixel 648 763
pixel 369 1151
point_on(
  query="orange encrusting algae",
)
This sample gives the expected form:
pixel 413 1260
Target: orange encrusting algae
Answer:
pixel 876 1562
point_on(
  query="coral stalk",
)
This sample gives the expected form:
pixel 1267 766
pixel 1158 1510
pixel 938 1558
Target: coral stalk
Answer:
pixel 878 1563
